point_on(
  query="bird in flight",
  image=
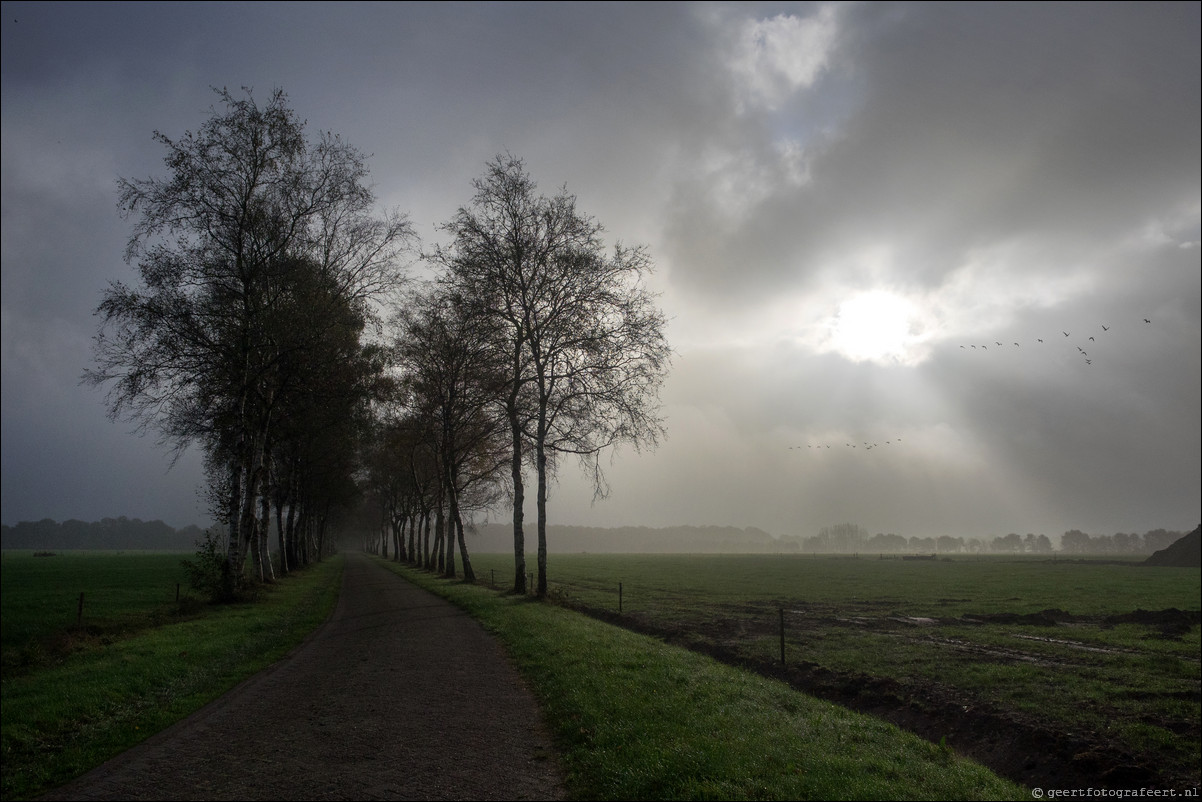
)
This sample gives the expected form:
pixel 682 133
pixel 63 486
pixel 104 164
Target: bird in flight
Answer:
pixel 1147 321
pixel 1105 328
pixel 1065 333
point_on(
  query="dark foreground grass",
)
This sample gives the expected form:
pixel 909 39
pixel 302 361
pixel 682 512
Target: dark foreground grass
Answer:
pixel 121 592
pixel 67 716
pixel 634 718
pixel 970 630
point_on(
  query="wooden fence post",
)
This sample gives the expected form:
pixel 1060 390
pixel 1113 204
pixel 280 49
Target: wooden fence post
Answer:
pixel 79 614
pixel 782 636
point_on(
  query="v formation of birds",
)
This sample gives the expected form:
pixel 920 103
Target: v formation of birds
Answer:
pixel 1039 341
pixel 983 347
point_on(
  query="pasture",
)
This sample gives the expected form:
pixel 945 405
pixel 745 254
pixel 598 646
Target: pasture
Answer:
pixel 122 591
pixel 78 691
pixel 1041 668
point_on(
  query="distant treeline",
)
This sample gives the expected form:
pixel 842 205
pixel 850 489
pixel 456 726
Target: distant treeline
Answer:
pixel 109 533
pixel 132 533
pixel 1077 542
pixel 842 538
pixel 498 538
pixel 1072 542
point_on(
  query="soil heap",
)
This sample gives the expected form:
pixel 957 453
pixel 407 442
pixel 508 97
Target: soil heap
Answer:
pixel 1183 553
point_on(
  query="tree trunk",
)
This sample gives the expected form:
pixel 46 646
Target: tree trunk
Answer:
pixel 293 528
pixel 451 571
pixel 281 532
pixel 239 546
pixel 414 539
pixel 266 571
pixel 468 574
pixel 519 502
pixel 234 501
pixel 541 500
pixel 453 511
pixel 440 523
pixel 398 530
pixel 426 558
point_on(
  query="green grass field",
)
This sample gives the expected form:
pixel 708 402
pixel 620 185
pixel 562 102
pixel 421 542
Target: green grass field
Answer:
pixel 1058 646
pixel 121 591
pixel 975 629
pixel 75 695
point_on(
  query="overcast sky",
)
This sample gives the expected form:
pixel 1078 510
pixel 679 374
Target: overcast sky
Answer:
pixel 849 207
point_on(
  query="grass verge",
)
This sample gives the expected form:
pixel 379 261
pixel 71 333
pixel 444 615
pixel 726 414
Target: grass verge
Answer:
pixel 64 719
pixel 1103 655
pixel 635 718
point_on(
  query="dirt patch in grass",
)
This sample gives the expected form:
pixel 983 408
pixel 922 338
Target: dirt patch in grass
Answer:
pixel 1044 618
pixel 1172 623
pixel 1015 745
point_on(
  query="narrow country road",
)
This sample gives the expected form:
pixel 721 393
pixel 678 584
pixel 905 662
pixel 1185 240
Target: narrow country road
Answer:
pixel 400 695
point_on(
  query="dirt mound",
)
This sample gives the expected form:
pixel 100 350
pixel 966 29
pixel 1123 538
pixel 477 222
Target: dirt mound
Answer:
pixel 1044 618
pixel 1183 553
pixel 1173 623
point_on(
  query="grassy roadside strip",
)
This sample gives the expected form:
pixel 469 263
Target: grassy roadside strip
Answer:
pixel 64 720
pixel 634 718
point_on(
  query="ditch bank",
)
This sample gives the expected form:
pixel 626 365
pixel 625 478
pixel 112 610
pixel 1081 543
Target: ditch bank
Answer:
pixel 1016 747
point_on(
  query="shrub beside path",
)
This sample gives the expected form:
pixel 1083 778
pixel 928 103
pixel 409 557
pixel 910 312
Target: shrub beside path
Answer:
pixel 400 695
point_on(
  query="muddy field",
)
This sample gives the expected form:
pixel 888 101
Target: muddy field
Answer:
pixel 1034 749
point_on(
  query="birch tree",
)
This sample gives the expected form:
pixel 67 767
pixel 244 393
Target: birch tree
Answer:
pixel 581 338
pixel 192 352
pixel 456 383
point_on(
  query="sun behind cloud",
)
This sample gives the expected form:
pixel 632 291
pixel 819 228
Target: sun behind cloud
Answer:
pixel 876 325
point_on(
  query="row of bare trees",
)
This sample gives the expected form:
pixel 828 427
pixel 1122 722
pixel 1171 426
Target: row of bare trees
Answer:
pixel 272 327
pixel 534 343
pixel 260 257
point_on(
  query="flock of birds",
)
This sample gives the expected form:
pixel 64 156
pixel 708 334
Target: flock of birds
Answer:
pixel 867 446
pixel 1039 340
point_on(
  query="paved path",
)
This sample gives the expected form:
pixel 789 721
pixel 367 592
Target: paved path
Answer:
pixel 400 695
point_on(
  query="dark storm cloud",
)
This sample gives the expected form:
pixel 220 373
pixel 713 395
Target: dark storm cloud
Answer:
pixel 966 126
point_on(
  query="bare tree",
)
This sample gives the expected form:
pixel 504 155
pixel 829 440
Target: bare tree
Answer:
pixel 579 334
pixel 195 351
pixel 456 383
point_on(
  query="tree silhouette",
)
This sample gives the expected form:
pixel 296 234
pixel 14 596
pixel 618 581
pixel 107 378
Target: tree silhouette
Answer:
pixel 250 214
pixel 580 336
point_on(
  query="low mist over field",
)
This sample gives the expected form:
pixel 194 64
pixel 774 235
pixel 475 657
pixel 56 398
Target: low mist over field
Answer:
pixel 126 533
pixel 932 269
